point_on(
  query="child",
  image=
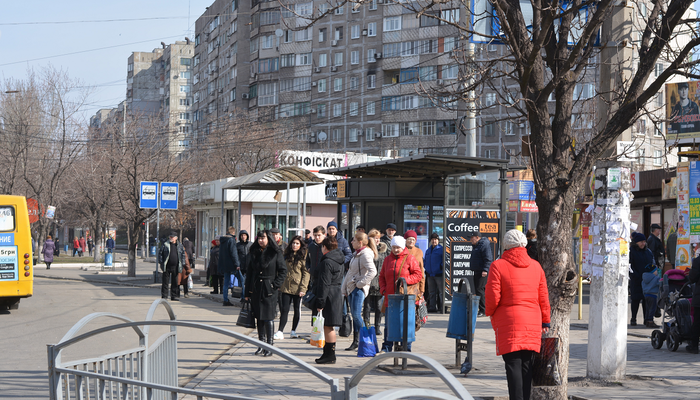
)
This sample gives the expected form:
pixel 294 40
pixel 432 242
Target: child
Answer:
pixel 650 288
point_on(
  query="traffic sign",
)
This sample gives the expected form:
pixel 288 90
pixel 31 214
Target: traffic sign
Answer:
pixel 149 195
pixel 168 195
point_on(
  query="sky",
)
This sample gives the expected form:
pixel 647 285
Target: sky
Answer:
pixel 100 34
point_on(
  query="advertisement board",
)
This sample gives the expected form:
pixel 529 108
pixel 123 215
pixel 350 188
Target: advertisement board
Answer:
pixel 682 110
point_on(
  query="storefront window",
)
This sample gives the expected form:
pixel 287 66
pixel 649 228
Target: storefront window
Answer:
pixel 356 216
pixel 417 218
pixel 477 189
pixel 263 222
pixel 438 220
pixel 343 225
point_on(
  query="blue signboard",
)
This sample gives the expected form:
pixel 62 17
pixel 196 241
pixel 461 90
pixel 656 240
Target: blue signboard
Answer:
pixel 168 195
pixel 149 195
pixel 7 239
pixel 521 190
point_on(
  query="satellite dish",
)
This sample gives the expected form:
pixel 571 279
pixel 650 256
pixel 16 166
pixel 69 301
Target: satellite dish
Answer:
pixel 279 32
pixel 322 136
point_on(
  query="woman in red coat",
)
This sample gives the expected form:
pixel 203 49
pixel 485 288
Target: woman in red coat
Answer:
pixel 517 301
pixel 398 264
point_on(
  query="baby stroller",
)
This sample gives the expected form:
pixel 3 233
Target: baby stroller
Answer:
pixel 676 317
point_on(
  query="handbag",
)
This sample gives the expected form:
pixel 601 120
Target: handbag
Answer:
pixel 246 317
pixel 318 338
pixel 309 300
pixel 346 327
pixel 421 314
pixel 367 345
pixel 545 368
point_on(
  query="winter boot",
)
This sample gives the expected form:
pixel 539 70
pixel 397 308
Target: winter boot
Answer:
pixel 353 345
pixel 269 334
pixel 377 322
pixel 328 356
pixel 692 347
pixel 261 337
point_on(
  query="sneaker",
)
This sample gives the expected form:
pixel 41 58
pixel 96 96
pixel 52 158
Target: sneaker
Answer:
pixel 293 335
pixel 187 296
pixel 480 314
pixel 278 335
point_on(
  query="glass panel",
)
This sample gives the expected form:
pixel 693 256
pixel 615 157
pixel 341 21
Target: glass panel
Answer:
pixel 344 220
pixel 7 218
pixel 438 220
pixel 263 222
pixel 478 189
pixel 356 215
pixel 417 218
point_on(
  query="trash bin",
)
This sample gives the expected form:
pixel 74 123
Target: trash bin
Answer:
pixel 460 314
pixel 153 250
pixel 396 311
pixel 108 259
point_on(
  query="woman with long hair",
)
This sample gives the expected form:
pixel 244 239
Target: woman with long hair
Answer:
pixel 356 284
pixel 294 287
pixel 266 274
pixel 372 300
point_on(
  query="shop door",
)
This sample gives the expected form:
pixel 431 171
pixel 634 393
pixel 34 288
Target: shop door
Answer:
pixel 378 215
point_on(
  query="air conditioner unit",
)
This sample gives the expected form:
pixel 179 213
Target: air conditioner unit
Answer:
pixel 378 135
pixel 245 96
pixel 317 69
pixel 377 56
pixel 364 32
pixel 334 69
pixel 334 42
pixel 313 111
pixel 313 84
pixel 221 90
pixel 439 81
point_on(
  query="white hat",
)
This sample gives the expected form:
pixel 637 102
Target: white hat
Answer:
pixel 399 241
pixel 514 238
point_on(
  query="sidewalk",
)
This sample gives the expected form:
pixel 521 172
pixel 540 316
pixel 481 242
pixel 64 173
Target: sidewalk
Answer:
pixel 657 374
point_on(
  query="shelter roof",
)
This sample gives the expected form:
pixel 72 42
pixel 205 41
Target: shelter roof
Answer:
pixel 419 166
pixel 275 179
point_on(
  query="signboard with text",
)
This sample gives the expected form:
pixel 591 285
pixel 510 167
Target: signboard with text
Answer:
pixel 149 195
pixel 169 192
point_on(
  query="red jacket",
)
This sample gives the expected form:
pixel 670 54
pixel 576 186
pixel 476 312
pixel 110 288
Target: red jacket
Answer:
pixel 390 273
pixel 517 301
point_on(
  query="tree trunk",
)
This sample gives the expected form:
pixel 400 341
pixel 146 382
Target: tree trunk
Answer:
pixel 96 255
pixel 133 236
pixel 555 254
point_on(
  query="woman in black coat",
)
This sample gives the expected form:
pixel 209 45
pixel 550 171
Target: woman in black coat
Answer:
pixel 266 274
pixel 328 277
pixel 640 257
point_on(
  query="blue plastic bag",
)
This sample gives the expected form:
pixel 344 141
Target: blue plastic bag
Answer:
pixel 367 346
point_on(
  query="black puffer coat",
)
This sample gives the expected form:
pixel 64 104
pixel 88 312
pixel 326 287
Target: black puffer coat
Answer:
pixel 214 261
pixel 327 280
pixel 266 274
pixel 639 259
pixel 243 249
pixel 694 277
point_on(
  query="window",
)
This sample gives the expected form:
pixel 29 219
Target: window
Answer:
pixel 322 8
pixel 429 19
pixel 339 10
pixel 337 84
pixel 321 110
pixel 267 42
pixel 185 102
pixel 355 57
pixel 370 108
pixel 373 5
pixel 490 99
pixel 270 17
pixel 352 135
pixel 286 85
pixel 490 153
pixel 338 59
pixel 287 60
pixel 354 83
pixel 450 43
pixel 369 134
pixel 268 65
pixel 408 75
pixel 322 60
pixel 372 29
pixel 429 46
pixel 302 83
pixel 185 88
pixel 337 135
pixel 427 128
pixel 338 33
pixel 355 32
pixel 304 59
pixel 196 98
pixel 390 130
pixel 337 110
pixel 507 127
pixel 234 5
pixel 288 36
pixel 659 129
pixel 322 35
pixel 286 110
pixel 426 102
pixel 446 127
pixel 253 46
pixel 210 47
pixel 196 60
pixel 370 55
pixel 302 108
pixel 658 159
pixel 392 50
pixel 449 71
pixel 428 73
pixel 583 91
pixel 267 94
pixel 184 115
pixel 196 40
pixel 409 102
pixel 354 106
pixel 214 23
pixel 185 75
pixel 371 81
pixel 658 69
pixel 408 128
pixel 185 61
pixel 391 103
pixel 232 95
pixel 450 15
pixel 304 35
pixel 410 48
pixel 392 24
pixel 488 129
pixel 305 9
pixel 321 85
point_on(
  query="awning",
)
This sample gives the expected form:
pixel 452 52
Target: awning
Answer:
pixel 420 166
pixel 275 179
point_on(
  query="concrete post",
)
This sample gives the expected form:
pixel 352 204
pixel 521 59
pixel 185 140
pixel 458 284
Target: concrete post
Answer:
pixel 608 266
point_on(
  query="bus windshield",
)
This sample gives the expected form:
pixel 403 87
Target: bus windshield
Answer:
pixel 7 218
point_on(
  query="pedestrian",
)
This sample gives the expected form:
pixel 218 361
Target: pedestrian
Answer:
pixel 671 248
pixel 640 257
pixel 360 228
pixel 411 237
pixel 313 258
pixel 357 281
pixel 398 264
pixel 294 287
pixel 656 246
pixel 243 249
pixel 517 301
pixel 90 244
pixel 532 244
pixel 48 250
pixel 228 263
pixel 172 259
pixel 278 239
pixel 343 244
pixel 433 263
pixel 328 278
pixel 650 287
pixel 372 300
pixel 694 277
pixel 76 246
pixel 231 231
pixel 110 244
pixel 184 276
pixel 217 280
pixel 480 263
pixel 389 233
pixel 83 246
pixel 266 273
pixel 307 237
pixel 189 250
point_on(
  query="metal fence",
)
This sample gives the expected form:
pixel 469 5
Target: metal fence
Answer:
pixel 149 373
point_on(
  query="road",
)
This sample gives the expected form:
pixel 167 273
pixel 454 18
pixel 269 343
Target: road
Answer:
pixel 58 304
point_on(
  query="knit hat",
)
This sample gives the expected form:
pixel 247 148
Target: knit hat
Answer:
pixel 410 233
pixel 434 236
pixel 514 238
pixel 332 223
pixel 391 226
pixel 398 241
pixel 638 237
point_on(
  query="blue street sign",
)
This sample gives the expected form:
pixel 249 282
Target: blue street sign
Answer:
pixel 168 195
pixel 149 195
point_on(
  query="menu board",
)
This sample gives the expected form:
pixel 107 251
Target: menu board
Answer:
pixel 460 225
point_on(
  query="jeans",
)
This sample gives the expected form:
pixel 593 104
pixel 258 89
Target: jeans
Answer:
pixel 227 285
pixel 357 299
pixel 519 374
pixel 650 300
pixel 480 286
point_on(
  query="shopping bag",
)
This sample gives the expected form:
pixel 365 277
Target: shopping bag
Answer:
pixel 234 281
pixel 246 317
pixel 346 327
pixel 318 339
pixel 190 284
pixel 421 314
pixel 545 370
pixel 367 345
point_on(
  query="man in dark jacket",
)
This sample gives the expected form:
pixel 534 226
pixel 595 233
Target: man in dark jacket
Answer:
pixel 343 245
pixel 480 262
pixel 314 254
pixel 228 263
pixel 656 246
pixel 243 248
pixel 277 235
pixel 432 262
pixel 389 233
pixel 171 258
